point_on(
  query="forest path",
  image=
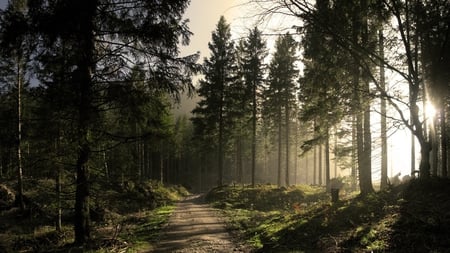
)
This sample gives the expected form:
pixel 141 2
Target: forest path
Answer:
pixel 196 227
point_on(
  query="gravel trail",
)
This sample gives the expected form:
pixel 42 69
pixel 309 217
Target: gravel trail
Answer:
pixel 195 227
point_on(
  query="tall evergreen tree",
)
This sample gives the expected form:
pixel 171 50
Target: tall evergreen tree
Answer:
pixel 280 94
pixel 104 37
pixel 324 93
pixel 253 54
pixel 213 114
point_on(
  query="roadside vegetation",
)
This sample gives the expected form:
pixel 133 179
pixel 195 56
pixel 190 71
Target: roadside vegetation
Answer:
pixel 410 217
pixel 126 217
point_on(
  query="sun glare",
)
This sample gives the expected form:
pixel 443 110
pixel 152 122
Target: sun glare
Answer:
pixel 430 110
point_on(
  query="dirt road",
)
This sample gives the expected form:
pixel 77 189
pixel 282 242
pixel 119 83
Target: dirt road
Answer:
pixel 196 227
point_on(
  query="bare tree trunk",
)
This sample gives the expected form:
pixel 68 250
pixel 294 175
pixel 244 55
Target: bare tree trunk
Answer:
pixel 366 168
pixel 315 165
pixel 287 133
pixel 19 197
pixel 86 67
pixel 335 152
pixel 220 149
pixel 444 138
pixel 161 163
pixel 327 160
pixel 254 115
pixel 354 173
pixel 279 147
pixel 435 146
pixel 384 151
pixel 306 170
pixel 320 172
pixel 105 166
pixel 58 183
pixel 240 173
pixel 296 153
pixel 413 153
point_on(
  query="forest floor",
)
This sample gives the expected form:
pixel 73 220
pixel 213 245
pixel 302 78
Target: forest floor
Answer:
pixel 151 217
pixel 196 227
pixel 410 217
pixel 124 218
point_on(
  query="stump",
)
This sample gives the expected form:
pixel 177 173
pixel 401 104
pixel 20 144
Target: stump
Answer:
pixel 334 195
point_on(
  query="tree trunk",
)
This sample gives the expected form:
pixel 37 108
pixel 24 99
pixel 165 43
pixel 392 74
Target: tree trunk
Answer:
pixel 320 170
pixel 354 172
pixel 220 148
pixel 84 72
pixel 82 219
pixel 315 165
pixel 335 152
pixel 287 130
pixel 279 147
pixel 240 173
pixel 425 145
pixel 327 160
pixel 58 183
pixel 254 115
pixel 161 163
pixel 19 197
pixel 444 138
pixel 433 137
pixel 360 149
pixel 384 151
pixel 105 166
pixel 366 168
pixel 413 153
pixel 296 153
pixel 306 170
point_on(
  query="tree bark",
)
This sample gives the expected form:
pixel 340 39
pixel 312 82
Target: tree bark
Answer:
pixel 19 197
pixel 254 115
pixel 221 129
pixel 83 77
pixel 320 170
pixel 296 153
pixel 354 172
pixel 58 182
pixel 279 146
pixel 366 172
pixel 327 159
pixel 240 173
pixel 287 133
pixel 384 151
pixel 433 137
pixel 444 140
pixel 315 166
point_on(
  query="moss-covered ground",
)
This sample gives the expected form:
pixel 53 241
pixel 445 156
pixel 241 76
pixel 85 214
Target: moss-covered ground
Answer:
pixel 125 218
pixel 412 217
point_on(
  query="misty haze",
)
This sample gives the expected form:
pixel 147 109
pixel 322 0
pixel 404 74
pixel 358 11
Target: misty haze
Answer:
pixel 224 126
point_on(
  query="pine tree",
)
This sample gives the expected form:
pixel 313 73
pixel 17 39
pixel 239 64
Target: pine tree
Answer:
pixel 213 114
pixel 252 57
pixel 103 38
pixel 280 94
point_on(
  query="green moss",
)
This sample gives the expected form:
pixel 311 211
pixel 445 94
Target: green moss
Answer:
pixel 301 218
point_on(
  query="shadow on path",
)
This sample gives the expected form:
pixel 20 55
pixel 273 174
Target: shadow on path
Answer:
pixel 195 227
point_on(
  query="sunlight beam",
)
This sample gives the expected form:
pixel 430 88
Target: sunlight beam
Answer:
pixel 430 110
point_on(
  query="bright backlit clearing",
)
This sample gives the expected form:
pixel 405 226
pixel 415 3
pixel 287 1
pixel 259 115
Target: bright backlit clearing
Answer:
pixel 430 110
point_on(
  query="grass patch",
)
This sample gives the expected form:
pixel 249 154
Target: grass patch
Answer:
pixel 413 217
pixel 143 230
pixel 124 219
